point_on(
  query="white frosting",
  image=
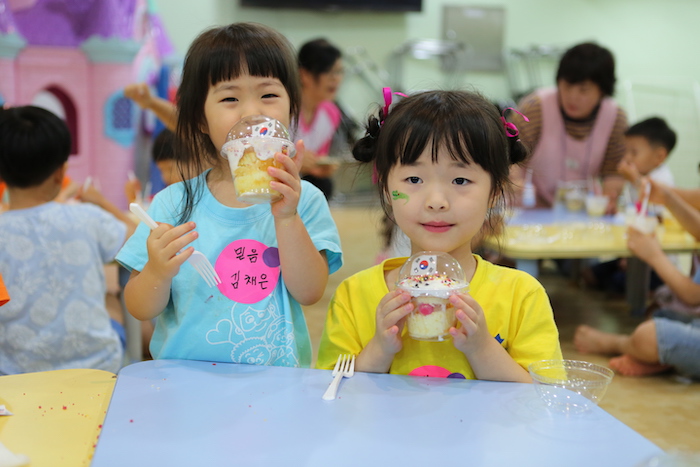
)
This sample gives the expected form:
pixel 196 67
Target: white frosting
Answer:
pixel 433 285
pixel 265 148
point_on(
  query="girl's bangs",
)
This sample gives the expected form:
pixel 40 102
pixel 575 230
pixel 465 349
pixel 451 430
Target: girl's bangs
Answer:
pixel 256 61
pixel 415 141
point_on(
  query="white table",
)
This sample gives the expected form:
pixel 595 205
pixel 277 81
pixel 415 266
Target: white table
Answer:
pixel 185 413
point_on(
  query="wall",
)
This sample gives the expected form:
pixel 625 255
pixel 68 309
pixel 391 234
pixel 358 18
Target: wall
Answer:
pixel 654 44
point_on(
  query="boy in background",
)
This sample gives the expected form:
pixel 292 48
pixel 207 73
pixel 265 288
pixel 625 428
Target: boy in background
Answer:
pixel 163 155
pixel 647 146
pixel 52 255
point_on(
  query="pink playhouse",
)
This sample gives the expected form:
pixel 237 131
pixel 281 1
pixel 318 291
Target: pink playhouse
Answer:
pixel 74 57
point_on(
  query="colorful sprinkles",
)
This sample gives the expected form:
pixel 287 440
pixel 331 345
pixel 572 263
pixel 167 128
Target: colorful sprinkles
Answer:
pixel 431 280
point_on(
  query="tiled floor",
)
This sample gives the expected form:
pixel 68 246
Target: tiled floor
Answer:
pixel 661 408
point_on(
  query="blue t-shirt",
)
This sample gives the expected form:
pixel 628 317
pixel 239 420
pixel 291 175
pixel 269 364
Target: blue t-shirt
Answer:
pixel 52 260
pixel 251 317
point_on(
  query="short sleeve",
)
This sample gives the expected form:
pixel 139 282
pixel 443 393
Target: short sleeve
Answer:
pixel 537 337
pixel 340 334
pixel 108 231
pixel 316 215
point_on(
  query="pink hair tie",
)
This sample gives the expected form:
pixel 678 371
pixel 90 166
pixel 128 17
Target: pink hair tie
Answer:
pixel 511 129
pixel 387 100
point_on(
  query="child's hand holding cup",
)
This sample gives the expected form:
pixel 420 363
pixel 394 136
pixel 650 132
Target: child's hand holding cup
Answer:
pixel 645 224
pixel 250 148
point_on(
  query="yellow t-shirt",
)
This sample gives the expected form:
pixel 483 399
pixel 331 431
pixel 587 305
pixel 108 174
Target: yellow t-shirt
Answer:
pixel 517 309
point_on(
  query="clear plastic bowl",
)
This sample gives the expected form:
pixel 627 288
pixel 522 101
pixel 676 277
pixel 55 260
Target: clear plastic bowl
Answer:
pixel 561 383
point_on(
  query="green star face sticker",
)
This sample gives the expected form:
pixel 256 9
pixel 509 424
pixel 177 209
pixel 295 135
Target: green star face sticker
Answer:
pixel 397 195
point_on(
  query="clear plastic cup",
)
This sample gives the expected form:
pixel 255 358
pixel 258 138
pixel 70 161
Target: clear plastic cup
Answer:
pixel 431 277
pixel 250 149
pixel 596 205
pixel 645 224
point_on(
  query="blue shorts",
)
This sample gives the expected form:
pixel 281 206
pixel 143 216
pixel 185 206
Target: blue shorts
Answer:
pixel 121 332
pixel 679 344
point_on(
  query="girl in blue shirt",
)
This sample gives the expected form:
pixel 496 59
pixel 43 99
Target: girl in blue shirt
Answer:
pixel 272 258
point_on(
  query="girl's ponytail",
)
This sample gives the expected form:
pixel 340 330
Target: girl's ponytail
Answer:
pixel 365 148
pixel 517 151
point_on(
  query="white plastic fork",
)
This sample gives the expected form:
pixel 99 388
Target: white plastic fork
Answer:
pixel 197 260
pixel 344 367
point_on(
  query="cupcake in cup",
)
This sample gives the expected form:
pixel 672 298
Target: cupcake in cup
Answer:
pixel 250 148
pixel 431 277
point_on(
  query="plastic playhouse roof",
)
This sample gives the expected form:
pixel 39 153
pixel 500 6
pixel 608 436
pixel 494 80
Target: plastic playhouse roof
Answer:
pixel 71 22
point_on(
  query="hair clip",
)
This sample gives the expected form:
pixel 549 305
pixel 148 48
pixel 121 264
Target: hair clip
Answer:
pixel 511 129
pixel 387 101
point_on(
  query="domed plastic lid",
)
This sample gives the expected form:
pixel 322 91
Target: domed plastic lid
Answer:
pixel 432 273
pixel 257 125
pixel 260 132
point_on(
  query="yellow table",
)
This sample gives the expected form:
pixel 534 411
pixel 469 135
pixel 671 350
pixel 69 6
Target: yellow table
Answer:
pixel 532 235
pixel 58 415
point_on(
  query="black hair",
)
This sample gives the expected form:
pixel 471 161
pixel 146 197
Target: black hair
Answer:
pixel 318 56
pixel 466 124
pixel 163 146
pixel 656 131
pixel 34 143
pixel 216 55
pixel 588 61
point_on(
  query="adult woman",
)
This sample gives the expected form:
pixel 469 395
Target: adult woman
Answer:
pixel 321 72
pixel 575 131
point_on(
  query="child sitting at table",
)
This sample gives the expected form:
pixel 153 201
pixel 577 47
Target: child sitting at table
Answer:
pixel 442 160
pixel 52 255
pixel 670 340
pixel 272 258
pixel 647 146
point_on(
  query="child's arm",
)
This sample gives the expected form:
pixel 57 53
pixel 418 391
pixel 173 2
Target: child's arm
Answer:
pixel 488 359
pixel 162 108
pixel 612 188
pixel 648 249
pixel 67 192
pixel 95 196
pixel 311 166
pixel 679 202
pixel 304 268
pixel 146 294
pixel 628 170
